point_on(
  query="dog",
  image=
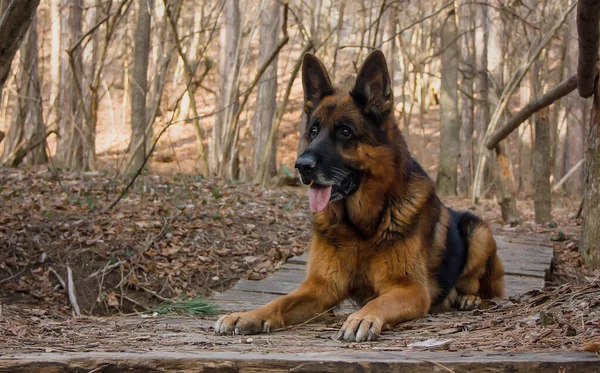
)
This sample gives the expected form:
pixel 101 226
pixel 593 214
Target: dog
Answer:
pixel 381 235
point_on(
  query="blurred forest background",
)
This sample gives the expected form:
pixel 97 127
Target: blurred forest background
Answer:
pixel 209 93
pixel 215 83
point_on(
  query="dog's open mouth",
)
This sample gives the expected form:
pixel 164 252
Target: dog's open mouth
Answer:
pixel 318 196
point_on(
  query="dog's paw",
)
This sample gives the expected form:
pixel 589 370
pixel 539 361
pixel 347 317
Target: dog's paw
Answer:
pixel 242 323
pixel 468 302
pixel 360 328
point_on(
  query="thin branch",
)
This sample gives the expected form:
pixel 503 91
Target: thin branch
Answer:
pixel 432 14
pixel 564 88
pixel 568 174
pixel 71 291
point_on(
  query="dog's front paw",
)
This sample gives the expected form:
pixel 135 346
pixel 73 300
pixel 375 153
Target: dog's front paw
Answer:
pixel 242 323
pixel 468 302
pixel 361 328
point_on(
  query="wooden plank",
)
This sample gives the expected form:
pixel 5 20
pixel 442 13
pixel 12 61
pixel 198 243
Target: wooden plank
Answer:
pixel 333 361
pixel 526 263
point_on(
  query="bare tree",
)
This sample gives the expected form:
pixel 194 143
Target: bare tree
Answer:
pixel 55 53
pixel 266 98
pixel 70 147
pixel 139 87
pixel 467 69
pixel 542 162
pixel 574 148
pixel 26 134
pixel 228 93
pixel 449 120
pixel 14 23
pixel 588 17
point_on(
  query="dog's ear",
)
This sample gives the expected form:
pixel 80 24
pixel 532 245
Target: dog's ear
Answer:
pixel 373 88
pixel 315 81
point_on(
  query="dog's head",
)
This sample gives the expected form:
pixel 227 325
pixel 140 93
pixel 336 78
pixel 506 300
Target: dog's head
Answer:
pixel 348 132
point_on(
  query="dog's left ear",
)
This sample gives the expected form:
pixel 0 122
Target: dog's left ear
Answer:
pixel 373 88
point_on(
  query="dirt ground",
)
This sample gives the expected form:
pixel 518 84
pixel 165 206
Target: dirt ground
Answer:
pixel 564 318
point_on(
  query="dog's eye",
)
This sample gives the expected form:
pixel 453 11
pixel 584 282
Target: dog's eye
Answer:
pixel 314 131
pixel 345 132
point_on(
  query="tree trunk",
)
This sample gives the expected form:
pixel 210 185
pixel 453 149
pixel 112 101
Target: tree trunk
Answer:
pixel 70 146
pixel 449 120
pixel 266 97
pixel 481 105
pixel 590 242
pixel 26 134
pixel 228 93
pixel 574 148
pixel 91 99
pixel 467 43
pixel 542 163
pixel 55 53
pixel 139 87
pixel 14 23
pixel 505 192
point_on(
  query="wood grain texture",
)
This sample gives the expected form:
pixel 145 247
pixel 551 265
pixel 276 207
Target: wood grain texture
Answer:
pixel 351 361
pixel 526 260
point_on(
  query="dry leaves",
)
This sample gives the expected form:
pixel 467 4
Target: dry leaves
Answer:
pixel 177 237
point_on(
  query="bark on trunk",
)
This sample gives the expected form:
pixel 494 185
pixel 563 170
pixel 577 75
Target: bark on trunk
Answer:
pixel 481 106
pixel 266 96
pixel 228 93
pixel 468 71
pixel 588 14
pixel 14 23
pixel 55 53
pixel 590 242
pixel 449 120
pixel 542 163
pixel 139 87
pixel 26 134
pixel 70 146
pixel 505 191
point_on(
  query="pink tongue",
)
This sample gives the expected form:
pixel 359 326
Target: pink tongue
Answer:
pixel 318 196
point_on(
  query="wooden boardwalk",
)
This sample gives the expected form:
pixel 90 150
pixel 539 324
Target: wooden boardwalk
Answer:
pixel 474 341
pixel 526 260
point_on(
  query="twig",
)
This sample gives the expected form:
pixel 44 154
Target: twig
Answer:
pixel 105 269
pixel 71 291
pixel 155 294
pixel 432 14
pixel 134 301
pixel 59 278
pixel 292 327
pixel 568 174
pixel 11 277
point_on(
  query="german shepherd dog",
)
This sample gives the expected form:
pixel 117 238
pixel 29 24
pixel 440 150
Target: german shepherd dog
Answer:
pixel 381 235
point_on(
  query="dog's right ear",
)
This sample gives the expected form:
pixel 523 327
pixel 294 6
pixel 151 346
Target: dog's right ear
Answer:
pixel 315 81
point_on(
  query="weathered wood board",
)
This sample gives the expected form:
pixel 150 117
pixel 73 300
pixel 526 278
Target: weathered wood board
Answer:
pixel 339 361
pixel 527 262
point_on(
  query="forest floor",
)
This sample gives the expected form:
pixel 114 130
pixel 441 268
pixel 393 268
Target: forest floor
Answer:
pixel 179 237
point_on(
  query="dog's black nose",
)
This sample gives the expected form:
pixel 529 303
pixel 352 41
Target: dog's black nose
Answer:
pixel 306 163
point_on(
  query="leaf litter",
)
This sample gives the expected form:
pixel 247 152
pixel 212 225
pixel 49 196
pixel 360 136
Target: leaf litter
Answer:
pixel 183 238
